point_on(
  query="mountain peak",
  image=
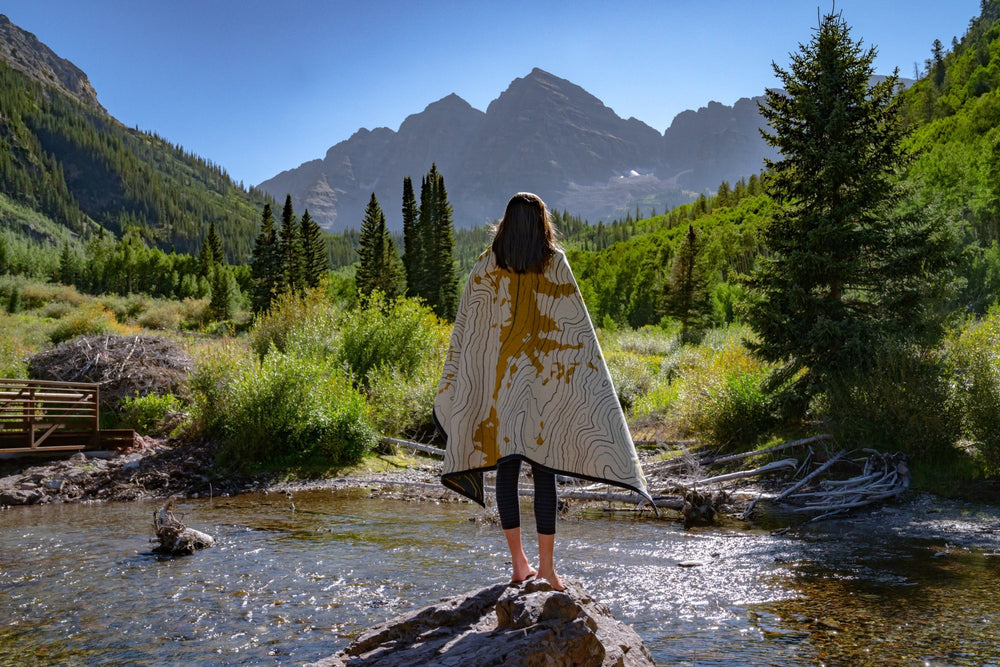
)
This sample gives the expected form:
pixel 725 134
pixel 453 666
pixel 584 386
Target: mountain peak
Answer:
pixel 543 133
pixel 22 51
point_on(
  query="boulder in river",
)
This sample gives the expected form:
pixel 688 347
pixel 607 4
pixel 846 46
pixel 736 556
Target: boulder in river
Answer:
pixel 507 624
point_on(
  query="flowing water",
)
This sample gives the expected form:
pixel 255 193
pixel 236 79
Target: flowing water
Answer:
pixel 287 583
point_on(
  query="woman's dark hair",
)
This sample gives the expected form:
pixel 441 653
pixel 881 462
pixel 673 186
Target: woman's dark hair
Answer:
pixel 525 239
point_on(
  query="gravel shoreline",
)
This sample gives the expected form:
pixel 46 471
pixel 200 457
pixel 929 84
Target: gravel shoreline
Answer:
pixel 158 468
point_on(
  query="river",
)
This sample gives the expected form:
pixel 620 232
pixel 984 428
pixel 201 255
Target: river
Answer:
pixel 294 579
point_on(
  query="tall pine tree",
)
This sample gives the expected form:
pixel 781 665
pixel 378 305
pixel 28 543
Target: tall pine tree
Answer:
pixel 290 245
pixel 431 244
pixel 844 275
pixel 412 248
pixel 315 262
pixel 380 267
pixel 687 298
pixel 445 302
pixel 265 266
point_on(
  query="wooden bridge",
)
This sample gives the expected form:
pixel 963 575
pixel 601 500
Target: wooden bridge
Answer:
pixel 37 416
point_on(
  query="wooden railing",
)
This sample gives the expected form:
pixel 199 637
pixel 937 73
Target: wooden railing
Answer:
pixel 40 416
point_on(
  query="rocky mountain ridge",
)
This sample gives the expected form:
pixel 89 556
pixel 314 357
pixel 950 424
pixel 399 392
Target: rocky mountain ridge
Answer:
pixel 24 52
pixel 543 134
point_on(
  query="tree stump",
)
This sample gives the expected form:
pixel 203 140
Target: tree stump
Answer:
pixel 174 537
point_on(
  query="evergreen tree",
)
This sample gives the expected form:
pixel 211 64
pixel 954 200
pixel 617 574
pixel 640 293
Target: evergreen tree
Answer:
pixel 214 244
pixel 424 278
pixel 412 248
pixel 843 274
pixel 265 268
pixel 435 279
pixel 445 302
pixel 380 267
pixel 225 293
pixel 688 298
pixel 937 53
pixel 315 262
pixel 290 246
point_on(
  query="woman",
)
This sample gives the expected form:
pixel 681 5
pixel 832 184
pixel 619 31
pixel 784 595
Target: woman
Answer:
pixel 525 380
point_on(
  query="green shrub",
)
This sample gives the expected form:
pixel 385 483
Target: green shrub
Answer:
pixel 37 294
pixel 647 341
pixel 402 334
pixel 287 410
pixel 148 414
pixel 164 316
pixel 973 362
pixel 719 398
pixel 287 313
pixel 12 358
pixel 89 320
pixel 631 375
pixel 900 405
pixel 195 313
pixel 56 310
pixel 402 406
pixel 216 367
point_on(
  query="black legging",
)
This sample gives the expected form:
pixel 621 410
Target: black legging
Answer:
pixel 507 500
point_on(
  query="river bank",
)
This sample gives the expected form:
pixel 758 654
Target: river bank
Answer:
pixel 159 468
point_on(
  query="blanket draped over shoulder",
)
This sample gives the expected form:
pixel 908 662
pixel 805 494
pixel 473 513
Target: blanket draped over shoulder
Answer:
pixel 525 377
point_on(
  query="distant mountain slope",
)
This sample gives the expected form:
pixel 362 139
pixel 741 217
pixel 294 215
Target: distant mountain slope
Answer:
pixel 543 134
pixel 22 51
pixel 64 156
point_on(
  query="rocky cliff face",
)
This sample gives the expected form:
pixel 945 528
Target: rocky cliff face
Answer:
pixel 716 143
pixel 542 134
pixel 22 51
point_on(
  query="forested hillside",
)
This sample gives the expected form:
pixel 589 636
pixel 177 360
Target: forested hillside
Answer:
pixel 83 169
pixel 953 113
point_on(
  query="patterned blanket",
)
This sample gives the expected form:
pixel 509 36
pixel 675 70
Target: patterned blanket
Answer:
pixel 525 377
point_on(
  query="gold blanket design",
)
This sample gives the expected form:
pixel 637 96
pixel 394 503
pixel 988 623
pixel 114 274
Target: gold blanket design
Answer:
pixel 524 377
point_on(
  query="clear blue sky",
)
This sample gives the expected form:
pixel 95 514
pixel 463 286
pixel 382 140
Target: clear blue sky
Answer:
pixel 261 86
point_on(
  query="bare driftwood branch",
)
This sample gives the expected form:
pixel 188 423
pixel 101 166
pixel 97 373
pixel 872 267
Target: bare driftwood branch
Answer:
pixel 784 464
pixel 884 477
pixel 805 480
pixel 663 466
pixel 429 449
pixel 769 450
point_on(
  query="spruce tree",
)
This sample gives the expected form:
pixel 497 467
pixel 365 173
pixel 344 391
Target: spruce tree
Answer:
pixel 392 282
pixel 445 298
pixel 265 267
pixel 225 293
pixel 214 244
pixel 315 263
pixel 371 249
pixel 290 245
pixel 412 248
pixel 687 298
pixel 843 274
pixel 424 274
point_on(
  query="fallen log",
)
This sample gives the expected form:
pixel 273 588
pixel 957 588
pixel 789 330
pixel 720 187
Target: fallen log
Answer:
pixel 784 464
pixel 428 449
pixel 174 537
pixel 662 466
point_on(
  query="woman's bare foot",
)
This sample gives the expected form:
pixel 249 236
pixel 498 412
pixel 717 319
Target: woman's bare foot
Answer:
pixel 553 579
pixel 522 568
pixel 522 573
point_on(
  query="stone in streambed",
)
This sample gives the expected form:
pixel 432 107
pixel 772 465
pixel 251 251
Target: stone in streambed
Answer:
pixel 518 624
